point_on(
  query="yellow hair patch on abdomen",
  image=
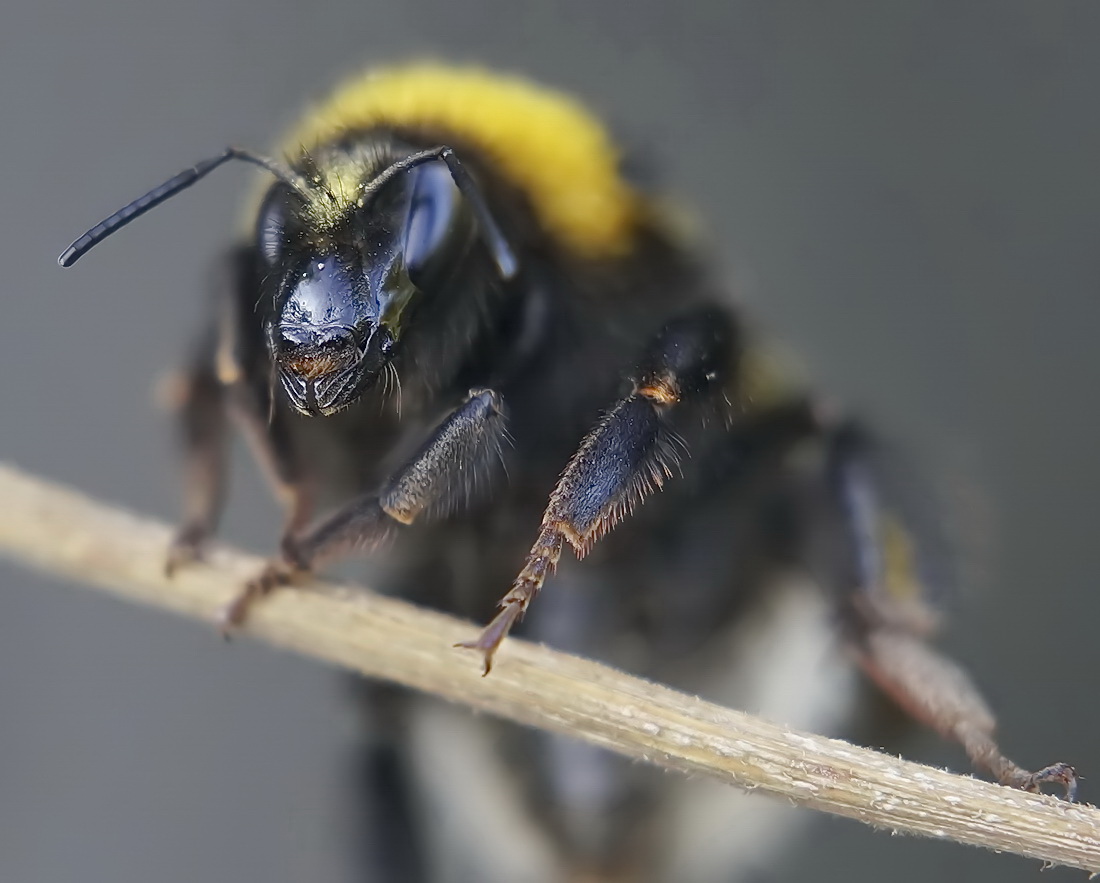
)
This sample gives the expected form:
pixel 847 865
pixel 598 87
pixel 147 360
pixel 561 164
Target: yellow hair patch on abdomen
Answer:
pixel 542 142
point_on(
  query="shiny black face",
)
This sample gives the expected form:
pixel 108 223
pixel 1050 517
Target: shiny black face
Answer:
pixel 344 298
pixel 328 342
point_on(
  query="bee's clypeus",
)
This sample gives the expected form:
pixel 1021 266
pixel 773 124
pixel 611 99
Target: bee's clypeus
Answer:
pixel 456 323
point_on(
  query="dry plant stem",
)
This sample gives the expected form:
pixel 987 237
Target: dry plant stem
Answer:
pixel 69 535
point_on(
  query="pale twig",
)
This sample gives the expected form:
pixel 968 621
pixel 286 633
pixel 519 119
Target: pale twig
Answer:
pixel 66 534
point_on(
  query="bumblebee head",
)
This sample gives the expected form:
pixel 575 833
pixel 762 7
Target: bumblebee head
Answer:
pixel 348 256
pixel 344 268
pixel 339 290
pixel 330 341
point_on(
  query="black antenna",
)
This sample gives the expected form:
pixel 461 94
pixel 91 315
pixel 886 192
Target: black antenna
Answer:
pixel 502 252
pixel 167 190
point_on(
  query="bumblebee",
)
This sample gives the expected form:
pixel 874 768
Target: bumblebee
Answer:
pixel 456 326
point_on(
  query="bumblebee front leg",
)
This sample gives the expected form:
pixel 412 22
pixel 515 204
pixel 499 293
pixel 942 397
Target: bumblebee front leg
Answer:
pixel 228 378
pixel 444 474
pixel 206 403
pixel 267 433
pixel 200 400
pixel 631 452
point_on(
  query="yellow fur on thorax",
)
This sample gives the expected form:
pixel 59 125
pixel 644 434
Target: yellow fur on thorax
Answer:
pixel 542 142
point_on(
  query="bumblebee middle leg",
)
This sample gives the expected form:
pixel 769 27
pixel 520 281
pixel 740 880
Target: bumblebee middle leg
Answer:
pixel 445 473
pixel 631 452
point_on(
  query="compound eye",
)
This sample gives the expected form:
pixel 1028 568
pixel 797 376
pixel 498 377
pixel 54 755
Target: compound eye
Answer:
pixel 434 205
pixel 271 230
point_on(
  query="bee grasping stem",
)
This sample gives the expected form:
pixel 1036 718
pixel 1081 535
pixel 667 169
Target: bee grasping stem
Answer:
pixel 542 561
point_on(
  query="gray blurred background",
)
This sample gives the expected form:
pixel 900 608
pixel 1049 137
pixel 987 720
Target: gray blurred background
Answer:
pixel 906 193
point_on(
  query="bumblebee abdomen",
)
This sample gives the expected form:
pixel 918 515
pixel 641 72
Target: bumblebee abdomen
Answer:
pixel 545 144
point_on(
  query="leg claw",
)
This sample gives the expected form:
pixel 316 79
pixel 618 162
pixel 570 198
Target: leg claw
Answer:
pixel 485 650
pixel 489 641
pixel 186 549
pixel 1059 774
pixel 233 615
pixel 1055 774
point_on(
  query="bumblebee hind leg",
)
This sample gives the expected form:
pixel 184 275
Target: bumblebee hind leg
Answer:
pixel 888 624
pixel 937 692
